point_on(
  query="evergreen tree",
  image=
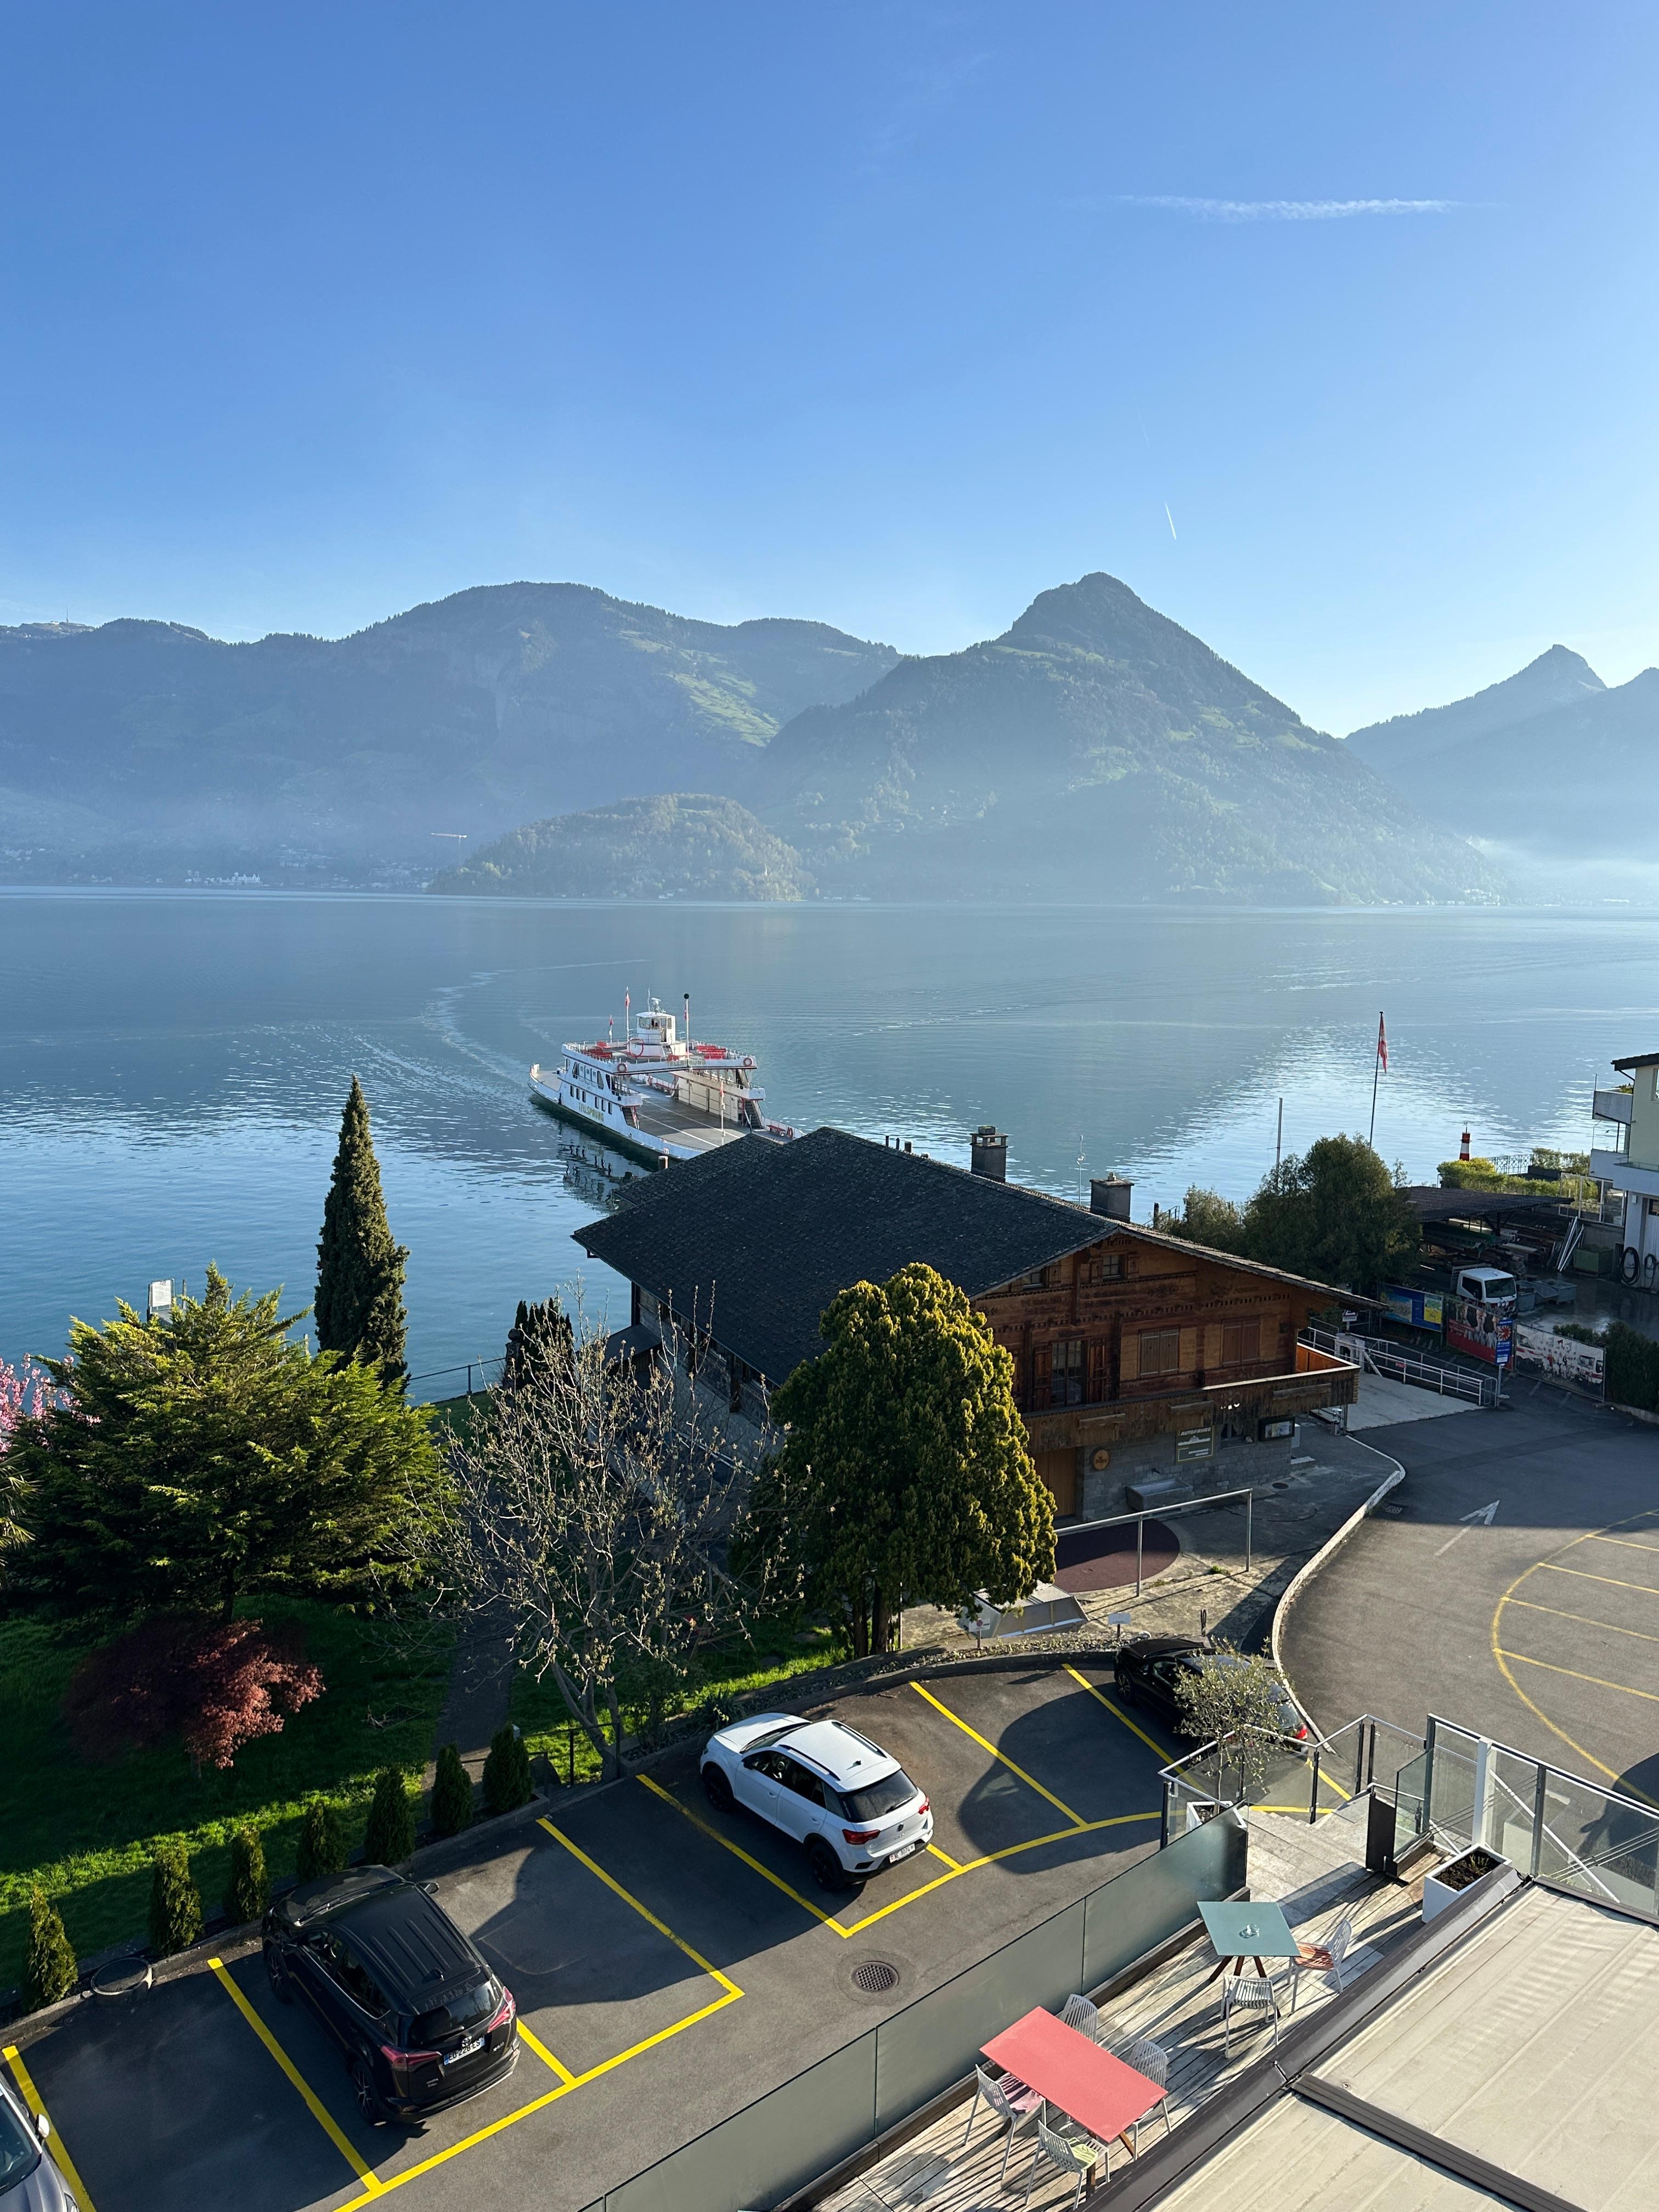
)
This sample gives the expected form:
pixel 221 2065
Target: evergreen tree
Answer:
pixel 905 1472
pixel 507 1780
pixel 49 1967
pixel 175 1903
pixel 540 1344
pixel 360 1270
pixel 324 1844
pixel 194 1459
pixel 249 1888
pixel 451 1794
pixel 390 1837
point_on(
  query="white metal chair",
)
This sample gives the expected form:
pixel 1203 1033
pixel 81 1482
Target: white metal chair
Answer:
pixel 1077 2012
pixel 1010 2100
pixel 1153 2060
pixel 1074 2154
pixel 1248 1993
pixel 1325 1960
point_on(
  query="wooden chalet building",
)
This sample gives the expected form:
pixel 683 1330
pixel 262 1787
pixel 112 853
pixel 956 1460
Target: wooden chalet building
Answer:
pixel 1138 1356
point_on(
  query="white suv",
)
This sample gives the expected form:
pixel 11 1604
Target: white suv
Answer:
pixel 852 1805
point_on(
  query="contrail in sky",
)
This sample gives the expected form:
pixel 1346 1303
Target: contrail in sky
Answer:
pixel 1170 518
pixel 1281 211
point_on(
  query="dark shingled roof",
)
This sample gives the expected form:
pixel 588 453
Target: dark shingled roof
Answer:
pixel 766 1235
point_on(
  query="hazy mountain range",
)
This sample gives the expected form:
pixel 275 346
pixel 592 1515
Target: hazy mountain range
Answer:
pixel 1094 751
pixel 1553 771
pixel 144 747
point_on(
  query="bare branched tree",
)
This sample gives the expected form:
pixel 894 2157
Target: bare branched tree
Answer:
pixel 595 1497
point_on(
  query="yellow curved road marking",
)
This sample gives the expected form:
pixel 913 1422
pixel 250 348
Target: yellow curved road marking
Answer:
pixel 1554 1567
pixel 61 2158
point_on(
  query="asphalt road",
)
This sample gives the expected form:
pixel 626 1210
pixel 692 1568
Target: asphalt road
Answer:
pixel 671 1965
pixel 1540 1629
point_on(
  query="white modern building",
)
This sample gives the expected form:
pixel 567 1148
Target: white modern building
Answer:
pixel 1624 1157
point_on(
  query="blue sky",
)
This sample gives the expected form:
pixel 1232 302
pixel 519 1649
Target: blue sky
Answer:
pixel 889 316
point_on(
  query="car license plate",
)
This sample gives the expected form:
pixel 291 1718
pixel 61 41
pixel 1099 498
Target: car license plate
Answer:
pixel 903 1852
pixel 473 2043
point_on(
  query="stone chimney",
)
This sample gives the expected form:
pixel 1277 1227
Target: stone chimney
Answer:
pixel 990 1157
pixel 1109 1195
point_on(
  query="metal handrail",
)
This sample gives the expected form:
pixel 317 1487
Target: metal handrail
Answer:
pixel 1168 1512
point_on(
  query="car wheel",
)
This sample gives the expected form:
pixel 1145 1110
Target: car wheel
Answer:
pixel 368 2096
pixel 281 1988
pixel 1126 1689
pixel 828 1871
pixel 718 1789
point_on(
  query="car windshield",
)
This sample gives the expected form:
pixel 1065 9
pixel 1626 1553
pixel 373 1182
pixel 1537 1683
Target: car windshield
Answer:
pixel 467 2008
pixel 769 1736
pixel 20 2148
pixel 876 1798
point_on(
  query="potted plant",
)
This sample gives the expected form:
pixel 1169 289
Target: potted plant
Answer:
pixel 1446 1884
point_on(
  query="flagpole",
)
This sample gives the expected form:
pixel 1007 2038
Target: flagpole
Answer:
pixel 1376 1070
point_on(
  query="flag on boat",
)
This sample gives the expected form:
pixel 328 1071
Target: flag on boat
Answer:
pixel 1381 1044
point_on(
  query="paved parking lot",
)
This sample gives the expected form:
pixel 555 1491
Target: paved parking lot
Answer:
pixel 670 1965
pixel 1538 1627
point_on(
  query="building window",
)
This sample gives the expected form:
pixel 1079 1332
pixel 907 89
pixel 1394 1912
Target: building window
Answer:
pixel 1160 1350
pixel 1066 1372
pixel 1241 1340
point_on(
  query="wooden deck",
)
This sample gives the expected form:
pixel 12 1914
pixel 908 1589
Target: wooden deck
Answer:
pixel 1314 1874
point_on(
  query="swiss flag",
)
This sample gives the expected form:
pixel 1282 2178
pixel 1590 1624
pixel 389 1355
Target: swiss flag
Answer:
pixel 1383 1044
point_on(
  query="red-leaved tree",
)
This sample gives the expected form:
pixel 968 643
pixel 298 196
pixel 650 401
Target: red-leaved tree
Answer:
pixel 217 1684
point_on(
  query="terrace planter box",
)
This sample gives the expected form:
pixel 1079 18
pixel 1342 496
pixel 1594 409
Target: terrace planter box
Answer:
pixel 1448 1883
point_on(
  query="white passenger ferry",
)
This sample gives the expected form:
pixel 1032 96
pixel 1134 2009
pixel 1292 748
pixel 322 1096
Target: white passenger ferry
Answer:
pixel 657 1094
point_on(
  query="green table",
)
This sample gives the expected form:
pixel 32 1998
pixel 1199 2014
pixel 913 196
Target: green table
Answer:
pixel 1258 1931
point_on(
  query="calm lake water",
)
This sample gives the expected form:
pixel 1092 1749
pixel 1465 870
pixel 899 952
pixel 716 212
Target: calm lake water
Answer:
pixel 173 1064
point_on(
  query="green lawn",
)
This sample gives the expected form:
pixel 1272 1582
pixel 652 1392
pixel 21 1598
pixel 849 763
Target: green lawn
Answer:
pixel 729 1670
pixel 86 1832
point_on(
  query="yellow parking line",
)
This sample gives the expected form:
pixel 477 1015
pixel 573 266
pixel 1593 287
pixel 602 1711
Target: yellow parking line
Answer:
pixel 1579 1574
pixel 372 2182
pixel 1076 1819
pixel 738 1851
pixel 1625 1543
pixel 32 2099
pixel 954 1864
pixel 1118 1715
pixel 1600 1682
pixel 645 1913
pixel 546 2056
pixel 1585 1620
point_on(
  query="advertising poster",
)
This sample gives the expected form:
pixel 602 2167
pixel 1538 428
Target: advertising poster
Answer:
pixel 1417 1309
pixel 1542 1350
pixel 1485 1332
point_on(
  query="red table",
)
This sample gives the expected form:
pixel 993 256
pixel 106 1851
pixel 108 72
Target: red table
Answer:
pixel 1091 2087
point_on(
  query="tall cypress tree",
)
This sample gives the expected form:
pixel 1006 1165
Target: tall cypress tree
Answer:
pixel 360 1270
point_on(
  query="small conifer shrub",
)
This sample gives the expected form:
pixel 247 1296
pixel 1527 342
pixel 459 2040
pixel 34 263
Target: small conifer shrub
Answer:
pixel 249 1888
pixel 507 1771
pixel 175 1903
pixel 49 1967
pixel 390 1837
pixel 451 1794
pixel 323 1848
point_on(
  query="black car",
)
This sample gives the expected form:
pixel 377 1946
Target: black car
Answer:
pixel 1148 1670
pixel 415 2009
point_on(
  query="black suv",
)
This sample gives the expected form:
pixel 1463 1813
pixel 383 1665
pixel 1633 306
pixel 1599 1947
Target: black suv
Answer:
pixel 1148 1670
pixel 414 2006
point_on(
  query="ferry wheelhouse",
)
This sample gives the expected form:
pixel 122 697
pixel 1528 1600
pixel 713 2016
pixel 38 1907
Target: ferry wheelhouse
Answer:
pixel 659 1093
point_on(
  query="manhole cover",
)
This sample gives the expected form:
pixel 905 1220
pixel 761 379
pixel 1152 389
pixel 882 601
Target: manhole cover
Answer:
pixel 875 1978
